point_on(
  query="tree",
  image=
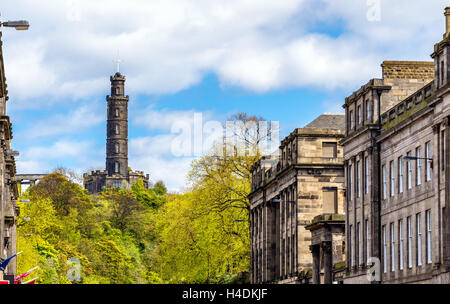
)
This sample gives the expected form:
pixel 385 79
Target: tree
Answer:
pixel 63 193
pixel 204 233
pixel 227 167
pixel 124 206
pixel 151 198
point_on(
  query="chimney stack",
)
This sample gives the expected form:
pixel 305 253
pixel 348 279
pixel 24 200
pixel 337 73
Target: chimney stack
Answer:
pixel 447 21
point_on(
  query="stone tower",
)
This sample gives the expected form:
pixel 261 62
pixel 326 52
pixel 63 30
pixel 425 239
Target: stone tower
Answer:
pixel 117 173
pixel 117 128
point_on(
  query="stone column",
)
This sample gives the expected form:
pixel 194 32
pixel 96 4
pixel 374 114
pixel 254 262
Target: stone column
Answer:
pixel 328 262
pixel 315 250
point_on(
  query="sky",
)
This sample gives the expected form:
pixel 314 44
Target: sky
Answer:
pixel 286 61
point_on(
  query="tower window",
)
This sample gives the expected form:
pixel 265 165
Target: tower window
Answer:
pixel 117 91
pixel 117 112
pixel 117 148
pixel 116 167
pixel 117 184
pixel 117 129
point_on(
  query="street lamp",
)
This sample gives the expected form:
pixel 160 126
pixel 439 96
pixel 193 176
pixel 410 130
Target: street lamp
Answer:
pixel 21 25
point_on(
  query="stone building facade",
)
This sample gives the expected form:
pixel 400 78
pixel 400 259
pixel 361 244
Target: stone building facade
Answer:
pixel 327 246
pixel 8 188
pixel 288 190
pixel 117 171
pixel 397 165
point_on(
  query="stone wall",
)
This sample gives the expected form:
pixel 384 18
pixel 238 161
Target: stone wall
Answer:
pixel 408 70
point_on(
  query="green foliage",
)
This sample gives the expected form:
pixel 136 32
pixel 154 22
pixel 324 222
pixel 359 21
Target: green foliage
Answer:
pixel 152 198
pixel 111 234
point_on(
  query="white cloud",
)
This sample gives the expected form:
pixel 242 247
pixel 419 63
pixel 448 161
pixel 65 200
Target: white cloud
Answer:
pixel 162 119
pixel 59 150
pixel 168 46
pixel 74 122
pixel 172 171
pixel 43 159
pixel 31 167
pixel 151 145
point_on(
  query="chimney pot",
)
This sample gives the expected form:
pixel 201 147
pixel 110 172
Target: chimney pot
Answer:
pixel 447 21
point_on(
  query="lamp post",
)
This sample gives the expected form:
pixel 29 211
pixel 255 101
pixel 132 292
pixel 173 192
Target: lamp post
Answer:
pixel 416 158
pixel 21 25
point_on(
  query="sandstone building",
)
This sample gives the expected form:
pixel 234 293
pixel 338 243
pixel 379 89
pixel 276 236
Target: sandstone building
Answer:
pixel 287 192
pixel 397 172
pixel 8 188
pixel 117 171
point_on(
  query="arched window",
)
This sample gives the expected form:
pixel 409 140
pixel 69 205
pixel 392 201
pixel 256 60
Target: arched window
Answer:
pixel 117 167
pixel 117 113
pixel 117 129
pixel 117 148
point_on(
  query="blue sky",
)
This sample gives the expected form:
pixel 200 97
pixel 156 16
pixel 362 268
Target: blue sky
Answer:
pixel 287 61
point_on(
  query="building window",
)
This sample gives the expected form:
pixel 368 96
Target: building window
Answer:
pixel 392 246
pixel 117 148
pixel 384 182
pixel 418 167
pixel 352 262
pixel 443 149
pixel 419 239
pixel 358 178
pixel 330 201
pixel 427 162
pixel 409 170
pixel 117 129
pixel 117 91
pixel 350 184
pixel 329 149
pixel 400 174
pixel 392 178
pixel 117 112
pixel 366 177
pixel 409 241
pixel 359 115
pixel 400 244
pixel 352 120
pixel 116 167
pixel 359 232
pixel 384 250
pixel 429 239
pixel 367 242
pixel 369 109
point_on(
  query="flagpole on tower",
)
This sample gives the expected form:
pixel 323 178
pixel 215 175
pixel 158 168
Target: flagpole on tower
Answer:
pixel 118 61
